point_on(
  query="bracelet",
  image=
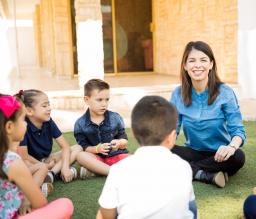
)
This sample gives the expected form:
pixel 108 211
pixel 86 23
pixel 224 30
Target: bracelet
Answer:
pixel 97 147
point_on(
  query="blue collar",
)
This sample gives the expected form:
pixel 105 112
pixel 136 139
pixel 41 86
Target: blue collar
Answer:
pixel 33 127
pixel 202 94
pixel 88 121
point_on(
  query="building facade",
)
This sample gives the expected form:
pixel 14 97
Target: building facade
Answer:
pixel 94 38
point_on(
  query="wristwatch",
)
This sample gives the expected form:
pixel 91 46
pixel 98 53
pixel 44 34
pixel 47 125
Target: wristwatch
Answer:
pixel 232 145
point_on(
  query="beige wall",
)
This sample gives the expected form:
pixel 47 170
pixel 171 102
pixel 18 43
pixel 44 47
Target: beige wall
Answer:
pixel 177 22
pixel 63 38
pixel 53 37
pixel 47 35
pixel 37 35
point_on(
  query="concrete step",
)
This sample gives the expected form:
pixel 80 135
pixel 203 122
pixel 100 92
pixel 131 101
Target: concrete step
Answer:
pixel 123 98
pixel 68 106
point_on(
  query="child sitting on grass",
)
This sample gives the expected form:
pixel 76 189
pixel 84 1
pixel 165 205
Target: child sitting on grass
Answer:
pixel 37 144
pixel 99 131
pixel 19 194
pixel 153 183
pixel 39 173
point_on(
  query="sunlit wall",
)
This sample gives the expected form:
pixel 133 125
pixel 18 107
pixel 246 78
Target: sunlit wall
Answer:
pixel 247 47
pixel 5 58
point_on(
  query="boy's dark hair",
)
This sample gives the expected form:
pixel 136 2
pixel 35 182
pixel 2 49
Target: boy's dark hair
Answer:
pixel 94 84
pixel 153 118
pixel 28 97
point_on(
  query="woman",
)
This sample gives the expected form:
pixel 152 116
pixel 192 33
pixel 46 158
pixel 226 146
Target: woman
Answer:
pixel 211 119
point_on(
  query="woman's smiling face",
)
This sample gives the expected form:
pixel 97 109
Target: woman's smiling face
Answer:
pixel 198 65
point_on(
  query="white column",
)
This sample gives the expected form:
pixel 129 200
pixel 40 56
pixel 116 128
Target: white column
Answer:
pixel 89 40
pixel 247 47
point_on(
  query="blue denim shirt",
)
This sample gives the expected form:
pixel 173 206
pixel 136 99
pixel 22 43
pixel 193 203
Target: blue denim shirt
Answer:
pixel 206 127
pixel 88 133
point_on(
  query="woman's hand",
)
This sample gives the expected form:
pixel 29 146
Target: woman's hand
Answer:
pixel 224 153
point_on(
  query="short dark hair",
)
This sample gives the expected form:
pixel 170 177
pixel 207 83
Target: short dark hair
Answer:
pixel 153 119
pixel 95 84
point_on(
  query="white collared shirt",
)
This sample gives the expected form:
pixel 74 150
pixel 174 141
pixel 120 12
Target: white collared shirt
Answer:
pixel 152 183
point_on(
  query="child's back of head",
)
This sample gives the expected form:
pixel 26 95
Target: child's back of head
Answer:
pixel 153 119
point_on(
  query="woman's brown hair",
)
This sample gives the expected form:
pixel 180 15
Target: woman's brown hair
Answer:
pixel 213 78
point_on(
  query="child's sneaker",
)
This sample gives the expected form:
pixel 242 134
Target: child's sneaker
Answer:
pixel 49 177
pixel 74 172
pixel 46 189
pixel 85 173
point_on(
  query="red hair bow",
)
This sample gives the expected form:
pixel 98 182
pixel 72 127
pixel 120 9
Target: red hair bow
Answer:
pixel 8 105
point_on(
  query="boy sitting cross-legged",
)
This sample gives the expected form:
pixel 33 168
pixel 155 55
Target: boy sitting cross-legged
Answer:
pixel 99 131
pixel 153 183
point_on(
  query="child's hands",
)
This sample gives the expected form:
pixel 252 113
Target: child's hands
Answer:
pixel 66 175
pixel 103 148
pixel 25 207
pixel 115 144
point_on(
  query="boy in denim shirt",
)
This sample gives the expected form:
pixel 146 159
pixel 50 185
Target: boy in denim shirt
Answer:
pixel 99 131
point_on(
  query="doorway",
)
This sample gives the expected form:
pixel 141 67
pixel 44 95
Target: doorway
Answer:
pixel 127 39
pixel 74 43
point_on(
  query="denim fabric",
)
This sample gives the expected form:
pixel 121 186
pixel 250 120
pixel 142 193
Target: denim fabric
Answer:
pixel 206 127
pixel 88 133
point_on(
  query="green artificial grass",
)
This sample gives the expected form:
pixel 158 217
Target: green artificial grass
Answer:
pixel 212 202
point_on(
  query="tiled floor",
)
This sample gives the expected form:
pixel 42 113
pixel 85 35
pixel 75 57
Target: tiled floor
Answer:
pixel 43 80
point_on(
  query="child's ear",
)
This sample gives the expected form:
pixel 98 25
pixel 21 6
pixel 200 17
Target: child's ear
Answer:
pixel 29 111
pixel 173 137
pixel 9 127
pixel 170 140
pixel 86 98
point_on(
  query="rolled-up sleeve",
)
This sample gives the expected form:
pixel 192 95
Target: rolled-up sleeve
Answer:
pixel 233 117
pixel 121 129
pixel 80 136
